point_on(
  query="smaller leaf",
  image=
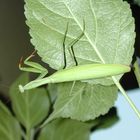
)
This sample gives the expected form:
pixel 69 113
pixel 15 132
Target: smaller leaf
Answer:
pixel 9 126
pixel 66 129
pixel 30 107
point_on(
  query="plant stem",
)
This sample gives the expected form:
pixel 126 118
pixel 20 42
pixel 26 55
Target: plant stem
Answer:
pixel 28 134
pixel 126 97
pixel 137 71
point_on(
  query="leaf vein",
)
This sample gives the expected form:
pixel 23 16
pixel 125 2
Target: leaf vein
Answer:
pixel 88 38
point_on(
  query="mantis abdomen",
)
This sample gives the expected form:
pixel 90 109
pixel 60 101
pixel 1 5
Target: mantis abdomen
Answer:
pixel 81 72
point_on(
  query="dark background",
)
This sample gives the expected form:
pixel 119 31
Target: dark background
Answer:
pixel 15 42
pixel 129 81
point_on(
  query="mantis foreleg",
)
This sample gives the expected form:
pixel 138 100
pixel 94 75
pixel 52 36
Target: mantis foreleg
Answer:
pixel 33 67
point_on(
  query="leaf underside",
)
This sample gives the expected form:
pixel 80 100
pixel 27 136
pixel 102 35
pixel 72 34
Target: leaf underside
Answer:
pixel 82 101
pixel 109 30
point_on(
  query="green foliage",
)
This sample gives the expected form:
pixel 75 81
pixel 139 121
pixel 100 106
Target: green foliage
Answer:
pixel 70 129
pixel 82 101
pixel 30 110
pixel 108 38
pixel 32 107
pixel 9 126
pixel 109 30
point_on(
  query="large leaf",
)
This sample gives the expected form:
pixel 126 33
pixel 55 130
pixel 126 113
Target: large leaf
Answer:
pixel 109 30
pixel 32 106
pixel 9 126
pixel 83 101
pixel 108 38
pixel 66 129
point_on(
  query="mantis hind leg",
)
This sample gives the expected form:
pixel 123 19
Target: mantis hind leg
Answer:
pixel 71 49
pixel 64 48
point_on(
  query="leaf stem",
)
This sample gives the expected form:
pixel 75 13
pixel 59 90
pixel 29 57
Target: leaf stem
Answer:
pixel 28 134
pixel 126 97
pixel 137 71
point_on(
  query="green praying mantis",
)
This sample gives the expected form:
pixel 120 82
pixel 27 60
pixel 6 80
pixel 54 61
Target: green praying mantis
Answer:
pixel 77 72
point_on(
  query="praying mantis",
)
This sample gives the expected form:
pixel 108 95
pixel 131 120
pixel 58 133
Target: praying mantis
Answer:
pixel 77 72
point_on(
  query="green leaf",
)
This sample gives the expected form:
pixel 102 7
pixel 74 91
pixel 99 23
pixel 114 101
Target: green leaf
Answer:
pixel 109 31
pixel 82 101
pixel 66 129
pixel 9 126
pixel 30 107
pixel 108 38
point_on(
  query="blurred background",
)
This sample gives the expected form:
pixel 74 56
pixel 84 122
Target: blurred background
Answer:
pixel 15 42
